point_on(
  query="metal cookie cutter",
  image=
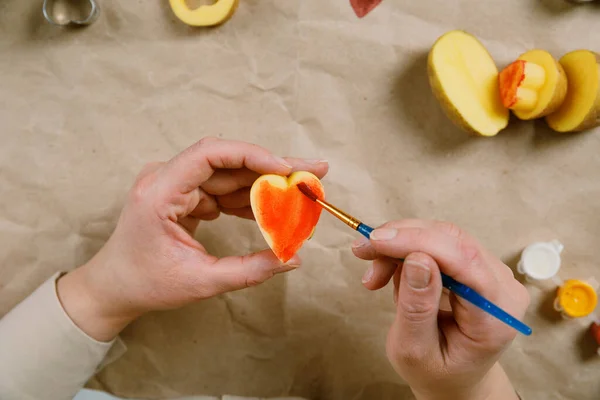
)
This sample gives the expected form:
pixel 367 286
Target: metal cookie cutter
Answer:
pixel 65 12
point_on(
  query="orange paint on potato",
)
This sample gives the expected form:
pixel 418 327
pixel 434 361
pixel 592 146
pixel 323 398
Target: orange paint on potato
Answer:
pixel 510 79
pixel 285 215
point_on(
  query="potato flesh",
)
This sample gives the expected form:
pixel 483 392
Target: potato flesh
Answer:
pixel 469 79
pixel 583 93
pixel 547 92
pixel 520 82
pixel 526 99
pixel 528 90
pixel 205 15
pixel 535 76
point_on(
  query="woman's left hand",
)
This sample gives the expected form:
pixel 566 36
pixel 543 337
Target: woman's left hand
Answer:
pixel 152 260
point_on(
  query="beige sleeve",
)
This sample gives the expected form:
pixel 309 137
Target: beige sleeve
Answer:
pixel 43 354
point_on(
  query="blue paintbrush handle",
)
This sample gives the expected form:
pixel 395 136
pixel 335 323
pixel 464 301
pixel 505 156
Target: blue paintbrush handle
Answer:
pixel 475 298
pixel 365 230
pixel 470 295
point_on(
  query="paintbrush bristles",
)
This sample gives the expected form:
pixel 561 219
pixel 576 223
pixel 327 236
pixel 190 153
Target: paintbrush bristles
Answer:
pixel 303 187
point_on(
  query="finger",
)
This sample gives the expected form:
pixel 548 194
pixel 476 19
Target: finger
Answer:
pixel 190 224
pixel 448 228
pixel 195 165
pixel 238 199
pixel 204 204
pixel 445 301
pixel 226 181
pixel 379 273
pixel 445 308
pixel 362 247
pixel 316 167
pixel 245 213
pixel 459 258
pixel 419 293
pixel 210 216
pixel 397 275
pixel 474 322
pixel 478 325
pixel 234 273
pixel 500 270
pixel 150 168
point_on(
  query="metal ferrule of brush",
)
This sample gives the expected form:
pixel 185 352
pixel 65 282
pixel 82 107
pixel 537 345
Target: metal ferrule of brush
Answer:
pixel 347 219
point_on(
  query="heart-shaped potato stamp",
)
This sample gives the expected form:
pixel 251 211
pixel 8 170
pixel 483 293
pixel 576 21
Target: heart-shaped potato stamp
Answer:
pixel 285 216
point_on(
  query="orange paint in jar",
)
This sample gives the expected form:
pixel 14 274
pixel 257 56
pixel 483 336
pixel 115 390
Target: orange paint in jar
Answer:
pixel 576 299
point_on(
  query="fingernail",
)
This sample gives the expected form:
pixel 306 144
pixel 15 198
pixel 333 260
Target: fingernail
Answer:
pixel 295 261
pixel 362 242
pixel 417 275
pixel 368 275
pixel 285 268
pixel 383 234
pixel 282 162
pixel 316 161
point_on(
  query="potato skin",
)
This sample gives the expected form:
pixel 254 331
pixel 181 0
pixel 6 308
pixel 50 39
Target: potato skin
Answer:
pixel 559 93
pixel 592 120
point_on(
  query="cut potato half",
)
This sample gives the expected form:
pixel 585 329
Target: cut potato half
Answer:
pixel 464 78
pixel 205 15
pixel 285 216
pixel 551 93
pixel 581 107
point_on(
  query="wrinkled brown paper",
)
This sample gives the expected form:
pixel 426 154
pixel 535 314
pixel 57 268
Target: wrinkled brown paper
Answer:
pixel 83 109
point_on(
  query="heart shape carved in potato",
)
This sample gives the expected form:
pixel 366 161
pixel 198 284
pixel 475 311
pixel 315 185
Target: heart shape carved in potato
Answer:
pixel 285 216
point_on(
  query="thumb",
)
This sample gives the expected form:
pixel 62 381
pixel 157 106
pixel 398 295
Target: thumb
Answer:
pixel 419 296
pixel 235 273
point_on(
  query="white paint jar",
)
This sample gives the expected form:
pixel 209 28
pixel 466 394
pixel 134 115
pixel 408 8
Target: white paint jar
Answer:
pixel 540 260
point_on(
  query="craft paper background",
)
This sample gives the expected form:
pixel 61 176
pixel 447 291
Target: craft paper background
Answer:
pixel 81 111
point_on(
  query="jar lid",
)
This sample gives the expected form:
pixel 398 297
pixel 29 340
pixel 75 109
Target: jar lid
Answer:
pixel 577 298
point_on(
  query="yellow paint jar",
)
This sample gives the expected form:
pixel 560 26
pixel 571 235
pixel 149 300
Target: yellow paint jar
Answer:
pixel 576 299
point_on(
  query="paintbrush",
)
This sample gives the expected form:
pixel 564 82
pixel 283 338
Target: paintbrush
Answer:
pixel 454 286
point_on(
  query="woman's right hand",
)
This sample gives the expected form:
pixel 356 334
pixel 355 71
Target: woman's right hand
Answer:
pixel 443 354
